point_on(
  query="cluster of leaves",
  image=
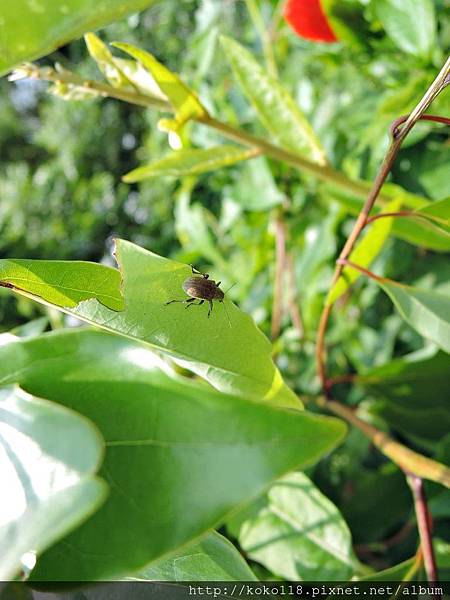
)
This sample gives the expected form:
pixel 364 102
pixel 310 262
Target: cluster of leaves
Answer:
pixel 133 499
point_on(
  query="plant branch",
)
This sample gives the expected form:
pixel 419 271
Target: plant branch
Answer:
pixel 424 526
pixel 294 308
pixel 323 173
pixel 406 459
pixel 280 266
pixel 399 136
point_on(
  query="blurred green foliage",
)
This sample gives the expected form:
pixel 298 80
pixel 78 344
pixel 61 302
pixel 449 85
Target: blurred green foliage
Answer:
pixel 62 197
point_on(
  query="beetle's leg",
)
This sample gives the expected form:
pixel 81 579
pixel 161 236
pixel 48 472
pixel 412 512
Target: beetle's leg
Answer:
pixel 170 301
pixel 210 308
pixel 193 303
pixel 218 283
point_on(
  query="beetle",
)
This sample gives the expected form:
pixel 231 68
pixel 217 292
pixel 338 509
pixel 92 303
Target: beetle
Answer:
pixel 200 287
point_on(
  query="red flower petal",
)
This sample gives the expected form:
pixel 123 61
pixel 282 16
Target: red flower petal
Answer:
pixel 308 20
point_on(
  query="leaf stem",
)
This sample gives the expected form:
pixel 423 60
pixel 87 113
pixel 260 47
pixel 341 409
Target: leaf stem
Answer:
pixel 280 266
pixel 322 172
pixel 424 526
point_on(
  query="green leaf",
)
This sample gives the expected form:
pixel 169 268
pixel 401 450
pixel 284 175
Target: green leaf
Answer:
pixel 255 188
pixel 395 573
pixel 213 558
pixel 191 162
pixel 426 311
pixel 403 389
pixel 415 231
pixel 275 107
pixel 439 212
pixel 32 29
pixel 168 441
pixel 184 101
pixel 299 534
pixel 365 252
pixel 63 283
pixel 411 24
pixel 49 456
pixel 234 359
pixel 122 73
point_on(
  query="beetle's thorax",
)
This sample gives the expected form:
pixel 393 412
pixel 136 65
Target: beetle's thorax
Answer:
pixel 199 287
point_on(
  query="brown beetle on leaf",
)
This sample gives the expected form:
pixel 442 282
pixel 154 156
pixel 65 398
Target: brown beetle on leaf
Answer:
pixel 200 287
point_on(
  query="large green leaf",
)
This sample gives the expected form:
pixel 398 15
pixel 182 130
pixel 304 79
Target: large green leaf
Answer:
pixel 48 458
pixel 184 101
pixel 298 534
pixel 235 359
pixel 410 24
pixel 63 283
pixel 426 311
pixel 179 455
pixel 403 389
pixel 277 110
pixel 213 558
pixel 191 162
pixel 365 252
pixel 32 29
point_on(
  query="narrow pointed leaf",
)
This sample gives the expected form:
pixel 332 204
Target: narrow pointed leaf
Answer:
pixel 235 359
pixel 184 101
pixel 48 459
pixel 191 162
pixel 365 252
pixel 275 107
pixel 63 283
pixel 426 311
pixel 168 441
pixel 298 534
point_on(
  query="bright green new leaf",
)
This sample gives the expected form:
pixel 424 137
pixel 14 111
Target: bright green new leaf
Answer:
pixel 275 107
pixel 184 101
pixel 298 534
pixel 213 558
pixel 426 311
pixel 411 24
pixel 168 441
pixel 122 73
pixel 63 283
pixel 48 459
pixel 439 212
pixel 191 162
pixel 235 359
pixel 365 252
pixel 30 30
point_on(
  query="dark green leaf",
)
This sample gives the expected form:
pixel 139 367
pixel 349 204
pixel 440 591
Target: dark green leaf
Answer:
pixel 168 442
pixel 213 558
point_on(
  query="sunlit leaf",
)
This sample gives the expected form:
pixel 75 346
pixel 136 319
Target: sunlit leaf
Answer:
pixel 48 458
pixel 184 101
pixel 275 107
pixel 365 252
pixel 191 162
pixel 234 356
pixel 63 283
pixel 299 534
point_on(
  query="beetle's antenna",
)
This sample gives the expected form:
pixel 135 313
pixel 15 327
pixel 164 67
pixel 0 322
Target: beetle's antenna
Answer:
pixel 226 310
pixel 230 288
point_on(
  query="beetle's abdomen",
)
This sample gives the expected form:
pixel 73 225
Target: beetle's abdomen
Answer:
pixel 205 289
